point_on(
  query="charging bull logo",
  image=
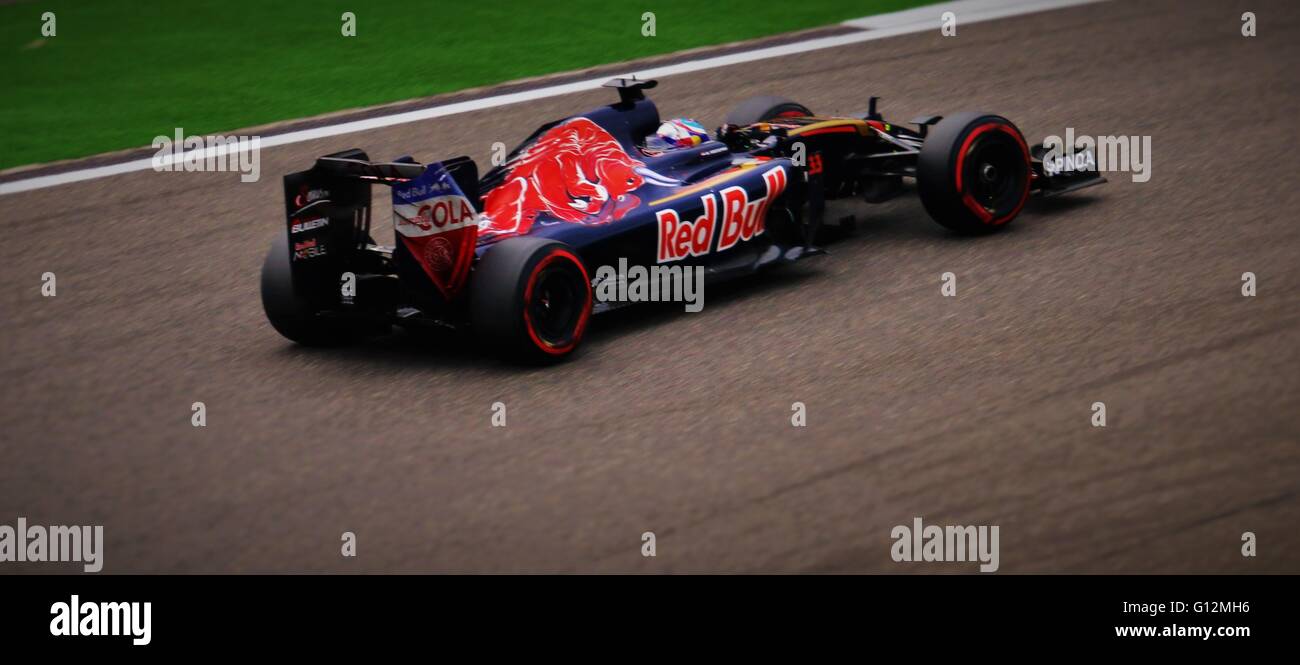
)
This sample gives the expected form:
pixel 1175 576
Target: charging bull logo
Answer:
pixel 575 172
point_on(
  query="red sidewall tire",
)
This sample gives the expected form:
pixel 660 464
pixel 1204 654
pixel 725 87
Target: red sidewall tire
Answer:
pixel 531 299
pixel 973 173
pixel 572 339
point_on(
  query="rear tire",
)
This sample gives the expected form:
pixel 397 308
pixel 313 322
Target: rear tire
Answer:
pixel 531 299
pixel 764 108
pixel 290 314
pixel 973 172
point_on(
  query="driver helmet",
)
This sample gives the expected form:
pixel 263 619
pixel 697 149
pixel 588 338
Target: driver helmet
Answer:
pixel 677 133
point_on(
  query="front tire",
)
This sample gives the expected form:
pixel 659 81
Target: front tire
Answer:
pixel 973 172
pixel 531 299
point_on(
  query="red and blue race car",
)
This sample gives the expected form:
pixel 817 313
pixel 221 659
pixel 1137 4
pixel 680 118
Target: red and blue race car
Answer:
pixel 511 255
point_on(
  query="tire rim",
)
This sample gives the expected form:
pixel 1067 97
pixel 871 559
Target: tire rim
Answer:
pixel 557 303
pixel 993 173
pixel 997 173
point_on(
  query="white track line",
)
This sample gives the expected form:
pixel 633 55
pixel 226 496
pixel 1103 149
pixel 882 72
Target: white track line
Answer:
pixel 967 11
pixel 882 26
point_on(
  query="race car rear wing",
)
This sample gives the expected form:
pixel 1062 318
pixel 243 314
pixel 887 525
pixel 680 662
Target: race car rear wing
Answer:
pixel 360 168
pixel 328 216
pixel 354 164
pixel 337 188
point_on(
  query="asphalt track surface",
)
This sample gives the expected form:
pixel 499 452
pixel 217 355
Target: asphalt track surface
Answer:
pixel 967 410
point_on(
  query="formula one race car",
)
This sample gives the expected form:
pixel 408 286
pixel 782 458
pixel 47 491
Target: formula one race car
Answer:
pixel 511 255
